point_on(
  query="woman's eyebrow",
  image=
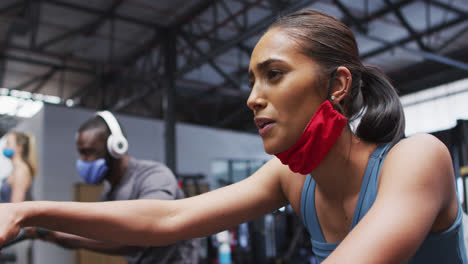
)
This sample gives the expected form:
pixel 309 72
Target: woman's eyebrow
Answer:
pixel 264 64
pixel 261 66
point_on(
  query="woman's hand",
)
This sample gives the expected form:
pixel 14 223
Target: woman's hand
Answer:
pixel 9 222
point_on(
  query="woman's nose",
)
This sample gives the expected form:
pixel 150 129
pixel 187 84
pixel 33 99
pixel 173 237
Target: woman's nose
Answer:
pixel 255 101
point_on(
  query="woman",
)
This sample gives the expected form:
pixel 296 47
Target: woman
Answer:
pixel 21 149
pixel 383 199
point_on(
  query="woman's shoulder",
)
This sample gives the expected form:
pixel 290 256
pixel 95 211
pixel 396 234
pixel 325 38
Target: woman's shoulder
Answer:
pixel 420 147
pixel 419 160
pixel 21 169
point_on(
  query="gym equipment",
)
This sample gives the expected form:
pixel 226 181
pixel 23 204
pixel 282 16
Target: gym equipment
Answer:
pixel 5 258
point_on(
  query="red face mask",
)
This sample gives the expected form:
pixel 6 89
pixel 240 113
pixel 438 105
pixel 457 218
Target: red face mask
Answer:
pixel 318 138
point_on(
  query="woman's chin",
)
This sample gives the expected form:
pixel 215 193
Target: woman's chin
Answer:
pixel 273 149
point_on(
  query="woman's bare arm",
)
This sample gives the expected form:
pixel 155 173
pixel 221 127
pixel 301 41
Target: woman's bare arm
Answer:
pixel 153 222
pixel 417 184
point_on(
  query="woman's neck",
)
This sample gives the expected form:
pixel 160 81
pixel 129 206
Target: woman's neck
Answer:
pixel 341 172
pixel 17 159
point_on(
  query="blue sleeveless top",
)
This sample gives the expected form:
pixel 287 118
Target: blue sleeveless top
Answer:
pixel 5 192
pixel 442 247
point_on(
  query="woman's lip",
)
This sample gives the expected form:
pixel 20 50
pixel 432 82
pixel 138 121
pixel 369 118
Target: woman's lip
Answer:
pixel 261 121
pixel 264 130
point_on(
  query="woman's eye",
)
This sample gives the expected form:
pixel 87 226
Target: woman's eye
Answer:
pixel 273 74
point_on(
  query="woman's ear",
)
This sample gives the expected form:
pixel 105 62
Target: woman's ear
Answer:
pixel 341 85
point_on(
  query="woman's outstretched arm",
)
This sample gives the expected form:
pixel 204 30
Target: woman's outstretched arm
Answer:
pixel 153 222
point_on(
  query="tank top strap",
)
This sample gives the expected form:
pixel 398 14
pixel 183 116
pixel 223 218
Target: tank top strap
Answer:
pixel 308 213
pixel 369 185
pixel 308 210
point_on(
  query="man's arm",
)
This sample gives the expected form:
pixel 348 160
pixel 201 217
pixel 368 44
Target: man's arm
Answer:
pixel 70 241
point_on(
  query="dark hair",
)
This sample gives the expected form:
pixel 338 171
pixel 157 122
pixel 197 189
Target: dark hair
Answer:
pixel 372 97
pixel 95 123
pixel 98 122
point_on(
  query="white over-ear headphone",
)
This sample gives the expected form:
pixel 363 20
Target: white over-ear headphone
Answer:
pixel 117 144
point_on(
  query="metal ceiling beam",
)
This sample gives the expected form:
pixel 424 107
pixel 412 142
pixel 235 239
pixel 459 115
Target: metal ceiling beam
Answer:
pixel 228 11
pixel 406 40
pixel 84 90
pixel 100 12
pixel 412 79
pixel 144 49
pixel 50 54
pixel 3 62
pixel 278 4
pixel 254 29
pixel 132 99
pixel 46 63
pixel 169 98
pixel 454 37
pixel 86 28
pixel 360 22
pixel 214 30
pixel 427 55
pixel 12 6
pixel 406 25
pixel 245 49
pixel 156 40
pixel 193 12
pixel 448 7
pixel 44 80
pixel 34 17
pixel 25 84
pixel 220 71
pixel 384 11
pixel 350 16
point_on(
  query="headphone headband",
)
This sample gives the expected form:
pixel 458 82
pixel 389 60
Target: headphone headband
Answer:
pixel 111 122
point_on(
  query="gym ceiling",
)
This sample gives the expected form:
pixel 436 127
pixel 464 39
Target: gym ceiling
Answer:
pixel 189 59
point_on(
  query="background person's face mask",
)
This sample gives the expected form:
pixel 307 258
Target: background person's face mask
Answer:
pixel 93 172
pixel 8 152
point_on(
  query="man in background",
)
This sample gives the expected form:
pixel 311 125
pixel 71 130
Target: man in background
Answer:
pixel 103 157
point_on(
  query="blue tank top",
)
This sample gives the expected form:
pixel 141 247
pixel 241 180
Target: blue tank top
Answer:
pixel 442 247
pixel 5 192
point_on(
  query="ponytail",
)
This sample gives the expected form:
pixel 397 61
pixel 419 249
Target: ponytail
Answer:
pixel 29 155
pixel 380 109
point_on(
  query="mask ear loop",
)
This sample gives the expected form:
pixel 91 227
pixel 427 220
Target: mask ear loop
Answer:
pixel 332 79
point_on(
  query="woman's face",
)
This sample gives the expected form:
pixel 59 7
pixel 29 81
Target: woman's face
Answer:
pixel 285 92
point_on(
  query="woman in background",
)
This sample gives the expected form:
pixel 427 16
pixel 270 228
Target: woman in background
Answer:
pixel 21 149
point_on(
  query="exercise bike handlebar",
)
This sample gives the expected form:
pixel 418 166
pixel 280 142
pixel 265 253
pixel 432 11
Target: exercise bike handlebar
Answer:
pixel 41 232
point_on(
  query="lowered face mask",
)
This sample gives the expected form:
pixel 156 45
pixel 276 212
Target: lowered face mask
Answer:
pixel 319 136
pixel 93 172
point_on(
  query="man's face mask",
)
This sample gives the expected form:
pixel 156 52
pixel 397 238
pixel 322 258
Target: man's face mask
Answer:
pixel 93 172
